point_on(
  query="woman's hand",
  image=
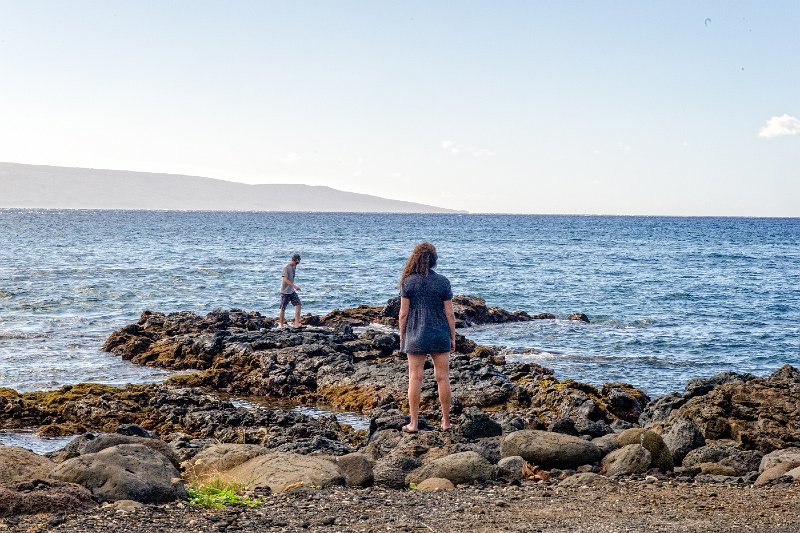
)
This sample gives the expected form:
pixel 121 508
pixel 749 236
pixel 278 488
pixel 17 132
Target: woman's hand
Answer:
pixel 452 345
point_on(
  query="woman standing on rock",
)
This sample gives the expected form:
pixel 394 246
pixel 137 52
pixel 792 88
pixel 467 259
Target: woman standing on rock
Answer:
pixel 427 326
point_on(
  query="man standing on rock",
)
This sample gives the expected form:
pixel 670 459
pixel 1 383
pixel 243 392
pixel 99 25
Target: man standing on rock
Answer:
pixel 289 292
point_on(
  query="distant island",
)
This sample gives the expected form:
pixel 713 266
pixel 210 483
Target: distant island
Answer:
pixel 39 186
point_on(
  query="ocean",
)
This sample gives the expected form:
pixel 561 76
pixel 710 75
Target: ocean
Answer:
pixel 669 299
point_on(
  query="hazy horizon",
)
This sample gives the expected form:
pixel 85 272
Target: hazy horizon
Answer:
pixel 679 109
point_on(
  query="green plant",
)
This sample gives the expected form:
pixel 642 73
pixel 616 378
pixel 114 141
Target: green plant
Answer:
pixel 218 494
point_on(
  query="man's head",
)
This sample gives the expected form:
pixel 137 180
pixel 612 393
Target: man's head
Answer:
pixel 296 258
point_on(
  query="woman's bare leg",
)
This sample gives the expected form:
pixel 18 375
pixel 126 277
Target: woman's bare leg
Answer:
pixel 416 367
pixel 441 371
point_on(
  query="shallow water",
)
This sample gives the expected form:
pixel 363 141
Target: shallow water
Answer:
pixel 34 442
pixel 669 298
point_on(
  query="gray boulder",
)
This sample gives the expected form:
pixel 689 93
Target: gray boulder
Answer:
pixel 682 436
pixel 464 467
pixel 18 464
pixel 510 469
pixel 124 472
pixel 630 459
pixel 549 450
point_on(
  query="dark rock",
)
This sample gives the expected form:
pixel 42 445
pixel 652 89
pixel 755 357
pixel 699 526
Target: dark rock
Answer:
pixel 474 424
pixel 580 317
pixel 133 430
pixel 592 428
pixel 391 472
pixel 565 426
pixel 743 462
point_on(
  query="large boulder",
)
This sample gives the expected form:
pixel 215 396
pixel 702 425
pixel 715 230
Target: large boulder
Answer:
pixel 285 471
pixel 124 472
pixel 464 467
pixel 549 450
pixel 652 441
pixel 18 464
pixel 357 469
pixel 630 459
pixel 43 496
pixel 682 436
pixel 212 461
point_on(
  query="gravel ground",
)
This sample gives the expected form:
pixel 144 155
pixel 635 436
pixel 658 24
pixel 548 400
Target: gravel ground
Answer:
pixel 632 507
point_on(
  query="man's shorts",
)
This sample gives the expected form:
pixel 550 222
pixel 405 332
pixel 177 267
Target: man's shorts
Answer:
pixel 286 298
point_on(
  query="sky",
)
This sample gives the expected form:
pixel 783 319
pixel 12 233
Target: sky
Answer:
pixel 595 107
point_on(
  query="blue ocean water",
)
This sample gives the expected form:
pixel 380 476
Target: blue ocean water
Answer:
pixel 669 298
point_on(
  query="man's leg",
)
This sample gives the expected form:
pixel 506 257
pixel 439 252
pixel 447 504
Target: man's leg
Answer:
pixel 297 315
pixel 281 317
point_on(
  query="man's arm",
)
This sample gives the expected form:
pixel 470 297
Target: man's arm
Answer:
pixel 289 283
pixel 451 320
pixel 404 304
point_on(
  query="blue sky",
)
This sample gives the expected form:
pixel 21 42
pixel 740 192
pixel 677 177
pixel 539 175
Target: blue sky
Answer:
pixel 684 108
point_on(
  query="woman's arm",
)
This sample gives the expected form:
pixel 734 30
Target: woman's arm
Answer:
pixel 451 319
pixel 404 303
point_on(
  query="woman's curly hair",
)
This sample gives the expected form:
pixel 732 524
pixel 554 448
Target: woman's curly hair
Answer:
pixel 423 258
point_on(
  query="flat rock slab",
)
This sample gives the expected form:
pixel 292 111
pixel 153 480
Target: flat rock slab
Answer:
pixel 19 464
pixel 550 450
pixel 285 471
pixel 124 472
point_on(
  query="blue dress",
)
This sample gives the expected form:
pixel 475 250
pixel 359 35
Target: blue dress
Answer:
pixel 427 329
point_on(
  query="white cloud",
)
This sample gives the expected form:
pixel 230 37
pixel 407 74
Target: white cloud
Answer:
pixel 782 126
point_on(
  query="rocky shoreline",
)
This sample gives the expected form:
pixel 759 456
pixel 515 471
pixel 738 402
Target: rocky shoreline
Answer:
pixel 520 431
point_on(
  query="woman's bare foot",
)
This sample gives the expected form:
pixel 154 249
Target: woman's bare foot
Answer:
pixel 408 428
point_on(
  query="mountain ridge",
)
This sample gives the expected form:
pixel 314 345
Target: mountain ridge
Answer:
pixel 55 187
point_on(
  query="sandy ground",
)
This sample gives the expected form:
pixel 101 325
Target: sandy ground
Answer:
pixel 631 507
